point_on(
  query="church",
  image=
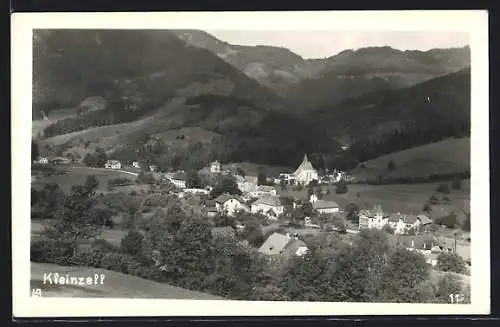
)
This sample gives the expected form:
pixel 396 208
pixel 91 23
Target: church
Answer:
pixel 305 173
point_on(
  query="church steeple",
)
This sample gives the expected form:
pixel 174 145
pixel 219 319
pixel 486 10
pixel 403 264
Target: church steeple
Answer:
pixel 305 158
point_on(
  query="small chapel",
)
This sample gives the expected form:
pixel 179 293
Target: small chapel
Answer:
pixel 305 173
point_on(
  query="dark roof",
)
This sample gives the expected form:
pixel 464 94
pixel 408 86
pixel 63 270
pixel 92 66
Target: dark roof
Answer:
pixel 209 203
pixel 209 209
pixel 180 176
pixel 225 197
pixel 273 201
pixel 424 219
pixel 320 204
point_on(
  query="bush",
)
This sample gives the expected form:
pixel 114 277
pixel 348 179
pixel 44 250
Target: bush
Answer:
pixel 443 188
pixel 145 178
pixel 448 221
pixel 456 182
pixel 451 262
pixel 388 229
pixel 112 183
pixel 132 243
pixel 391 165
pixel 52 251
pixel 341 189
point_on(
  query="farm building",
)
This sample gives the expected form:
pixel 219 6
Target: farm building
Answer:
pixel 113 164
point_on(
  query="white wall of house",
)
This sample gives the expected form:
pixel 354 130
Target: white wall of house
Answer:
pixel 264 208
pixel 328 210
pixel 179 183
pixel 232 206
pixel 377 221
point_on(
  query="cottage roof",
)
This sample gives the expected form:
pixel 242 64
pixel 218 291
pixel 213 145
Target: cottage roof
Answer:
pixel 180 176
pixel 225 197
pixel 275 244
pixel 425 242
pixel 112 162
pixel 424 219
pixel 265 188
pixel 209 203
pixel 321 204
pixel 272 201
pixel 305 165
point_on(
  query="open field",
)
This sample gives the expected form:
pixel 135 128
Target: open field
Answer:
pixel 115 285
pixel 447 156
pixel 404 198
pixel 113 236
pixel 77 175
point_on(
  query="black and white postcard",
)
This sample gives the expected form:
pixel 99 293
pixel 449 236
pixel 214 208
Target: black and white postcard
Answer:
pixel 250 163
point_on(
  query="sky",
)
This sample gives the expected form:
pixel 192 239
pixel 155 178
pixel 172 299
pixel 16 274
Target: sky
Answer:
pixel 321 44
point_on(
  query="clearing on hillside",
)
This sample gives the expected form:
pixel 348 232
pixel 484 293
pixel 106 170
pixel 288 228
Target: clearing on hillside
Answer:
pixel 444 157
pixel 115 285
pixel 404 198
pixel 77 175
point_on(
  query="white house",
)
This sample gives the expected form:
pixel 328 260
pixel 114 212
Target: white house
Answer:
pixel 113 164
pixel 152 168
pixel 196 191
pixel 136 164
pixel 179 180
pixel 215 167
pixel 247 187
pixel 402 223
pixel 325 207
pixel 42 160
pixel 305 173
pixel 372 218
pixel 263 190
pixel 283 245
pixel 229 204
pixel 269 206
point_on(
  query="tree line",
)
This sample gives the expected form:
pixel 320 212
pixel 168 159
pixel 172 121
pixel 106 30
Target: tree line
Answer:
pixel 176 246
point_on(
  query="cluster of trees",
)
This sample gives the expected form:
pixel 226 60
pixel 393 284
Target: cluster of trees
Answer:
pixel 96 159
pixel 175 246
pixel 115 182
pixel 35 151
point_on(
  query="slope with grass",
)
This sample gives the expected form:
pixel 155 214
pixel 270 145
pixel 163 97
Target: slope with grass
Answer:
pixel 115 285
pixel 77 175
pixel 136 65
pixel 444 157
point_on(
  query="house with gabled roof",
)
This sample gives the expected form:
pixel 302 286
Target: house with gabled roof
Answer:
pixel 270 206
pixel 230 204
pixel 179 179
pixel 113 164
pixel 283 245
pixel 323 206
pixel 402 223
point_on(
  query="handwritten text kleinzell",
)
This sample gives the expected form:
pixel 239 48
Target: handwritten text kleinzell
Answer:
pixel 59 279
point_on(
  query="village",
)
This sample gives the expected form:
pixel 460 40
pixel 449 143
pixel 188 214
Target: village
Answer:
pixel 294 215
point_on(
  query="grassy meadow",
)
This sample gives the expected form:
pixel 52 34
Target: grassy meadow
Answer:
pixel 115 285
pixel 404 198
pixel 77 175
pixel 444 157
